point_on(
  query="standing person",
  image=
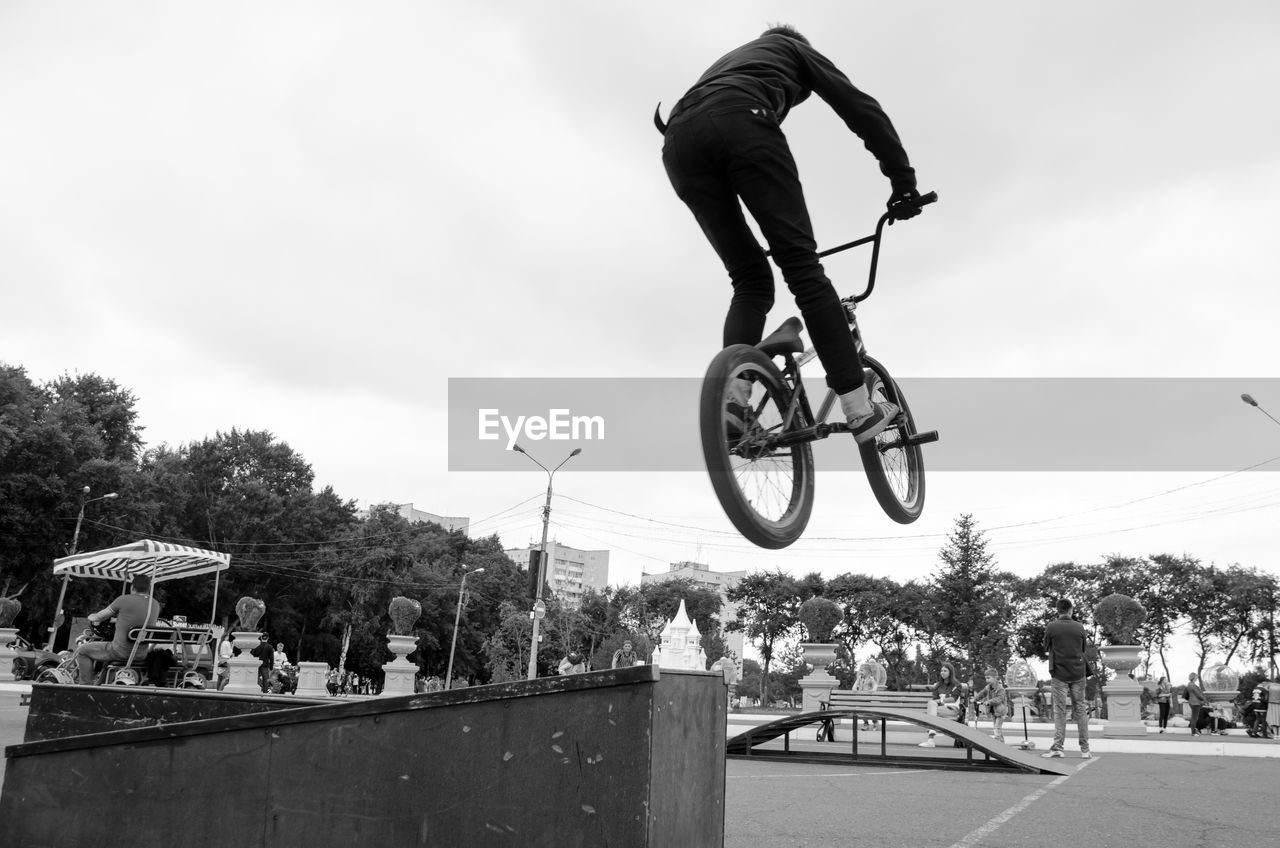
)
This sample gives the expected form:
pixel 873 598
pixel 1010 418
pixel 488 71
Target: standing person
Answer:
pixel 946 698
pixel 136 609
pixel 1164 695
pixel 1064 641
pixel 266 659
pixel 625 657
pixel 997 702
pixel 866 682
pixel 723 144
pixel 279 659
pixel 1195 699
pixel 226 650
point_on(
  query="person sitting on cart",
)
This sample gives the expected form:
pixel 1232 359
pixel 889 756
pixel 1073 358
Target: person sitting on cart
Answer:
pixel 136 609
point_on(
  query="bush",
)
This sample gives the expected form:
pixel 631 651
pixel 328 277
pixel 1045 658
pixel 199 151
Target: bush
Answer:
pixel 820 616
pixel 404 613
pixel 9 609
pixel 1119 616
pixel 250 612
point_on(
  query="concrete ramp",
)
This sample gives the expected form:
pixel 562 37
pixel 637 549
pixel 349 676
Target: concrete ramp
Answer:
pixel 978 751
pixel 628 757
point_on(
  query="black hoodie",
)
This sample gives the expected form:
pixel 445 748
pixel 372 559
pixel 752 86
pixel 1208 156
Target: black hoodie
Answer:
pixel 779 72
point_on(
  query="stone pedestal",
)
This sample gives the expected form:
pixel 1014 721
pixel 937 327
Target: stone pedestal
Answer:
pixel 817 684
pixel 1124 694
pixel 7 635
pixel 399 674
pixel 243 670
pixel 312 679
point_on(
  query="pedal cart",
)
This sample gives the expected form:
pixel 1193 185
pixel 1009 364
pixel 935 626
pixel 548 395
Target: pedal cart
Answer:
pixel 191 661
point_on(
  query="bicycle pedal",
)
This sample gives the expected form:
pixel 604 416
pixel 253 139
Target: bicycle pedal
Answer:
pixel 922 438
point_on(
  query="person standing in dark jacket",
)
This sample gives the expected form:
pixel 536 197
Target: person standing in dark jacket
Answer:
pixel 724 143
pixel 1195 698
pixel 266 659
pixel 1064 641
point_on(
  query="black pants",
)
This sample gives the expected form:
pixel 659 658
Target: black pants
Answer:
pixel 1164 714
pixel 726 148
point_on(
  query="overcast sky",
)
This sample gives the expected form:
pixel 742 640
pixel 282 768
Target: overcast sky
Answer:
pixel 307 217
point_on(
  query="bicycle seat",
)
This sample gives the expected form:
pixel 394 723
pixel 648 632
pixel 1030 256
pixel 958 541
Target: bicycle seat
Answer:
pixel 785 339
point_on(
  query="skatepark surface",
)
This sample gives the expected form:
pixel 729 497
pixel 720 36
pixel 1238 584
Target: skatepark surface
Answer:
pixel 1169 790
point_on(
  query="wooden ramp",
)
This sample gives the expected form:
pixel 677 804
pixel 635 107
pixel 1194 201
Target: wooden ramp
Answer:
pixel 978 752
pixel 625 757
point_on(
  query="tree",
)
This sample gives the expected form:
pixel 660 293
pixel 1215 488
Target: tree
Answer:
pixel 767 609
pixel 55 439
pixel 1167 595
pixel 1246 594
pixel 506 650
pixel 646 609
pixel 973 610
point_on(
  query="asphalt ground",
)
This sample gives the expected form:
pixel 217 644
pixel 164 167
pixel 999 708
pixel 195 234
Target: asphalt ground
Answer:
pixel 1116 799
pixel 1120 800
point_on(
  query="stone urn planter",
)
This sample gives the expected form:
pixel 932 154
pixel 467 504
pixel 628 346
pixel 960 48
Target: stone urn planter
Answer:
pixel 819 616
pixel 242 677
pixel 1120 616
pixel 399 674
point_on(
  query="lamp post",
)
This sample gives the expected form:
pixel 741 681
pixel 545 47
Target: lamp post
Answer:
pixel 85 500
pixel 1247 398
pixel 539 608
pixel 457 618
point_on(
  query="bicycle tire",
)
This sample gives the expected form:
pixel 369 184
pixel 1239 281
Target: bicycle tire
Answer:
pixel 895 471
pixel 767 493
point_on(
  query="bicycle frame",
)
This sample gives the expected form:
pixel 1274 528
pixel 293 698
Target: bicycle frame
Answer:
pixel 791 370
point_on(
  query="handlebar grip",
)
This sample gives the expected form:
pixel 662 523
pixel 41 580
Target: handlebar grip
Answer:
pixel 926 199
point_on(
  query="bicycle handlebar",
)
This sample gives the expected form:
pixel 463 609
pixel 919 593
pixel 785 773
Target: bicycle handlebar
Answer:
pixel 874 239
pixel 887 217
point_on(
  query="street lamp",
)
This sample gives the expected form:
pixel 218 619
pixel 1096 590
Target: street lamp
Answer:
pixel 1247 398
pixel 85 500
pixel 538 606
pixel 457 617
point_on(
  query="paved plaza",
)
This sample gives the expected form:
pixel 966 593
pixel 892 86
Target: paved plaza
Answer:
pixel 1173 791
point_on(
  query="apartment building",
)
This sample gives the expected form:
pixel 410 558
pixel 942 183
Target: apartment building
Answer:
pixel 570 571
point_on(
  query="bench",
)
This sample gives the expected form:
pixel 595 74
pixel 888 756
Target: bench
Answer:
pixel 848 699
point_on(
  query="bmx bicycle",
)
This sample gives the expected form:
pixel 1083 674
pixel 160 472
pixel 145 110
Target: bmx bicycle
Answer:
pixel 764 475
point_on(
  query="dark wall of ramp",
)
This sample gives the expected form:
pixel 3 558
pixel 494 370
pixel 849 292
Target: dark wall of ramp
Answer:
pixel 628 757
pixel 61 710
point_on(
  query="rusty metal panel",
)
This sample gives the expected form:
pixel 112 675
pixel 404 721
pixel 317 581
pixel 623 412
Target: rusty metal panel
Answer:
pixel 577 761
pixel 61 710
pixel 689 730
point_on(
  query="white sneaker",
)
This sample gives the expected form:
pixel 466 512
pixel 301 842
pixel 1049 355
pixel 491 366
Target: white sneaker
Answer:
pixel 1052 753
pixel 737 404
pixel 1085 755
pixel 928 743
pixel 867 427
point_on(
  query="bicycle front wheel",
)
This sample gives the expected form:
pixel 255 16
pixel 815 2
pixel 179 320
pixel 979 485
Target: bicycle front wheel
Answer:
pixel 765 489
pixel 894 466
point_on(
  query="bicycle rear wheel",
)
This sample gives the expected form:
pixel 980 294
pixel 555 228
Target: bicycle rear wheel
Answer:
pixel 894 467
pixel 765 489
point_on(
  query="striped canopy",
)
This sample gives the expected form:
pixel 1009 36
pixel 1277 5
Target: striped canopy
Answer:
pixel 162 560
